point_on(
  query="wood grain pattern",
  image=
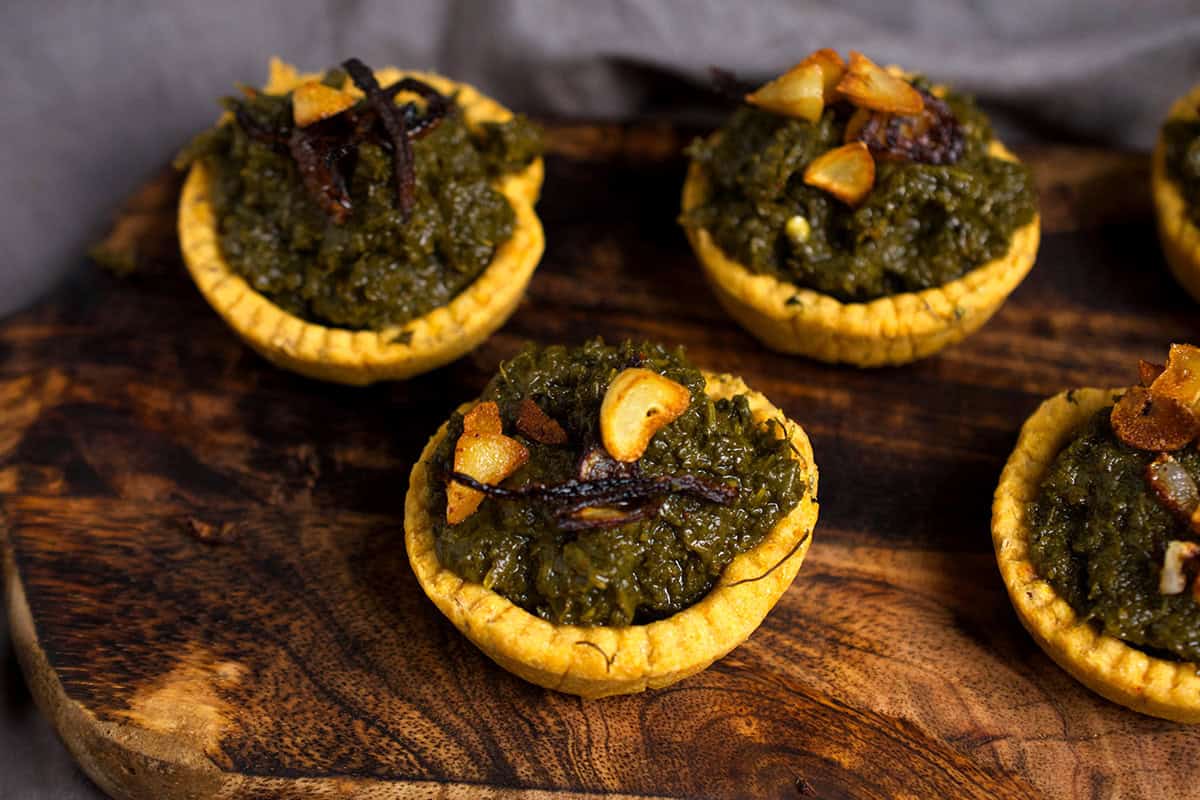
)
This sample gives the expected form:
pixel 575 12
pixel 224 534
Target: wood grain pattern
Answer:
pixel 207 583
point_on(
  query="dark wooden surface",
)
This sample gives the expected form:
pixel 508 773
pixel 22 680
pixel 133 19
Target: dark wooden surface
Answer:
pixel 212 553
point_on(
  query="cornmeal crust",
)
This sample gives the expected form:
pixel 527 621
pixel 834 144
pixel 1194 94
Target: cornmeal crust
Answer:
pixel 1103 663
pixel 362 357
pixel 1179 235
pixel 601 661
pixel 895 329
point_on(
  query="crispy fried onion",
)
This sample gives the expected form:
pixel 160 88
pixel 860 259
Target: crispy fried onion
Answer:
pixel 396 125
pixel 599 517
pixel 606 502
pixel 1174 488
pixel 931 137
pixel 325 151
pixel 318 155
pixel 1178 560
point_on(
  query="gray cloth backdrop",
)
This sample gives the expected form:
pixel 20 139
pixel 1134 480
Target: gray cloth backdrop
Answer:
pixel 97 95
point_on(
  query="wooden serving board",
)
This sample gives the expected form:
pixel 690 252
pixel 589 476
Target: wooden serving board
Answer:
pixel 209 593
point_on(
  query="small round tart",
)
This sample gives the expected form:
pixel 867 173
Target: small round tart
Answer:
pixel 1176 229
pixel 394 352
pixel 895 329
pixel 597 661
pixel 1103 663
pixel 859 214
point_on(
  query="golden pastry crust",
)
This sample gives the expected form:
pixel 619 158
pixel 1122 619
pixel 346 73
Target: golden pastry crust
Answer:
pixel 892 330
pixel 361 357
pixel 1179 235
pixel 1103 663
pixel 602 661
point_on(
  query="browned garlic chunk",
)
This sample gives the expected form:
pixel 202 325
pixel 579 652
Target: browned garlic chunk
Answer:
pixel 856 123
pixel 1148 371
pixel 867 85
pixel 314 101
pixel 1147 421
pixel 799 92
pixel 832 69
pixel 637 405
pixel 1180 379
pixel 483 453
pixel 483 418
pixel 846 172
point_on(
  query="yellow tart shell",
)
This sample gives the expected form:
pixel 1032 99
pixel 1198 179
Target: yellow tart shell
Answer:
pixel 396 352
pixel 892 330
pixel 1179 235
pixel 602 661
pixel 1103 663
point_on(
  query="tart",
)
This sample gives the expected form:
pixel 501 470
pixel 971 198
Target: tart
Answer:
pixel 1175 184
pixel 859 215
pixel 656 515
pixel 1095 530
pixel 398 238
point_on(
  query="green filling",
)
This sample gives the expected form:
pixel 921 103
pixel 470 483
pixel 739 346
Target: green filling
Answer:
pixel 1181 139
pixel 921 226
pixel 1099 535
pixel 640 571
pixel 376 269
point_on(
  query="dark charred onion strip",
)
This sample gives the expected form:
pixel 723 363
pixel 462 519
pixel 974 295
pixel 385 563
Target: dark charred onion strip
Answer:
pixel 322 179
pixel 931 137
pixel 597 463
pixel 611 501
pixel 436 105
pixel 396 125
pixel 318 149
pixel 257 131
pixel 1173 487
pixel 574 495
pixel 1148 422
pixel 343 150
pixel 606 517
pixel 418 126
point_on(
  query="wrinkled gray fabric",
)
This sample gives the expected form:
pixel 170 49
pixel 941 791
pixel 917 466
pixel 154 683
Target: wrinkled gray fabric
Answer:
pixel 96 95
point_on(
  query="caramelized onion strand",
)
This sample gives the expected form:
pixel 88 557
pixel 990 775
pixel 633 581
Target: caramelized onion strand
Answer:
pixel 396 125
